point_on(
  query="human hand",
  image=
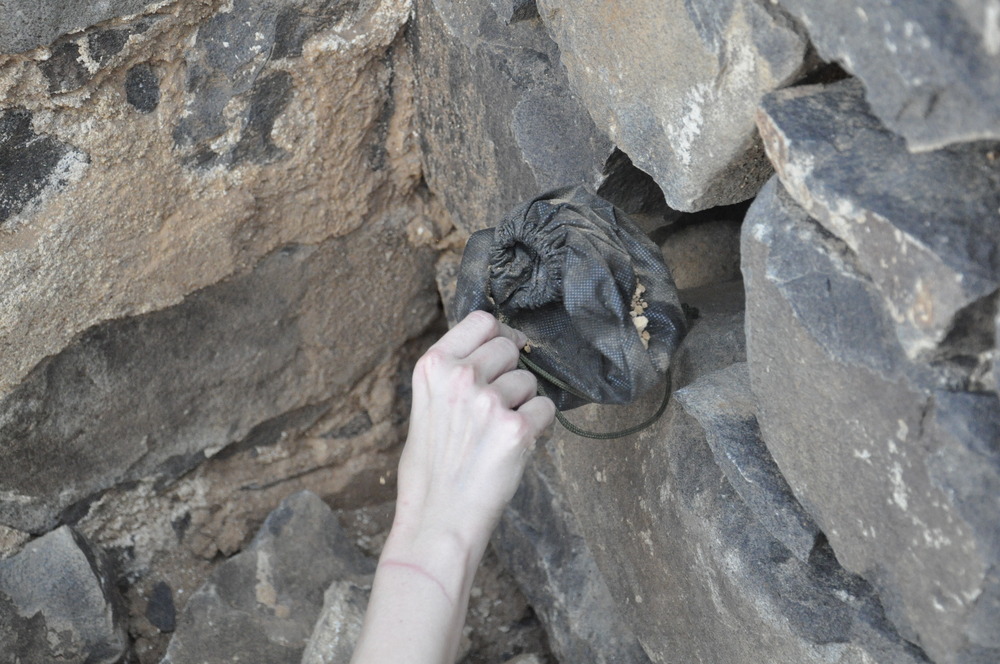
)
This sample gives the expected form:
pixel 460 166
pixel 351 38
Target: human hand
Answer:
pixel 475 419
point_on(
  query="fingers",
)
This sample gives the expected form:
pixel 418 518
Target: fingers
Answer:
pixel 539 411
pixel 473 331
pixel 494 358
pixel 516 387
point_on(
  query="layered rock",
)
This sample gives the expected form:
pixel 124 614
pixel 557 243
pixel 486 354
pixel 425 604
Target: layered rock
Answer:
pixel 675 85
pixel 153 395
pixel 499 123
pixel 839 399
pixel 931 70
pixel 922 227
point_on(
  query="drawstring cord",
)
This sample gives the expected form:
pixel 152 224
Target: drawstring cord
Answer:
pixel 525 363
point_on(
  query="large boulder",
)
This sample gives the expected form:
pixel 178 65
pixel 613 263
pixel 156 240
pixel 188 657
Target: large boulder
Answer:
pixel 59 602
pixel 922 227
pixel 675 85
pixel 499 123
pixel 262 604
pixel 702 564
pixel 145 159
pixel 931 69
pixel 153 395
pixel 900 476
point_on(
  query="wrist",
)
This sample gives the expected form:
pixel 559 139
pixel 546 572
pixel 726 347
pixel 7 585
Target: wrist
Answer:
pixel 448 559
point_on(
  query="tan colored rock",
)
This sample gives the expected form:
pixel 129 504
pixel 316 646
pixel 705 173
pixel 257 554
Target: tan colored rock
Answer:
pixel 140 229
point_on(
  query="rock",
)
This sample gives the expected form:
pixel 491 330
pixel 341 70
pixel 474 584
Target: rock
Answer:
pixel 339 625
pixel 59 603
pixel 539 541
pixel 34 166
pixel 826 367
pixel 153 395
pixel 31 23
pixel 931 72
pixel 261 604
pixel 928 242
pixel 512 11
pixel 703 253
pixel 142 88
pixel 724 406
pixel 107 217
pixel 692 567
pixel 160 611
pixel 675 85
pixel 499 123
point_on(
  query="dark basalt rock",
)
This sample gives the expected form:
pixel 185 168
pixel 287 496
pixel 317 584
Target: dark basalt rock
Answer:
pixel 59 603
pixel 146 396
pixel 724 406
pixel 899 476
pixel 499 123
pixel 539 542
pixel 931 70
pixel 922 227
pixel 261 604
pixel 31 164
pixel 142 88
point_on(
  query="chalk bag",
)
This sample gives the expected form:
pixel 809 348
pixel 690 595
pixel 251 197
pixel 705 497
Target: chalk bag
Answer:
pixel 588 288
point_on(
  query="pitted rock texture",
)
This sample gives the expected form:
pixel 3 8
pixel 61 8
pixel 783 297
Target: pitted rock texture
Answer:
pixel 261 605
pixel 931 70
pixel 924 231
pixel 826 368
pixel 153 395
pixel 498 121
pixel 142 227
pixel 32 165
pixel 59 603
pixel 675 86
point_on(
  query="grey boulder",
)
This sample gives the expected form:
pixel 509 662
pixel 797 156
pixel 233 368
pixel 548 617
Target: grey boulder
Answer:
pixel 59 603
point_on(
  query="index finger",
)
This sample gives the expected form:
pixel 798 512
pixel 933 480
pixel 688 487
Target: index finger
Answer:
pixel 473 331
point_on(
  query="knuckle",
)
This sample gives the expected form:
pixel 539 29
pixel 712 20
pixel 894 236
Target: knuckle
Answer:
pixel 431 361
pixel 485 320
pixel 462 376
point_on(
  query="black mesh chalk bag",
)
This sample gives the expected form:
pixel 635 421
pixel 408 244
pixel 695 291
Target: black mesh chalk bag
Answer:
pixel 588 288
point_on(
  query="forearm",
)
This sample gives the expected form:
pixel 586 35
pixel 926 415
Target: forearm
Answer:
pixel 418 602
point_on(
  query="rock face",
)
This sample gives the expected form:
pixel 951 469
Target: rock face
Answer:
pixel 31 23
pixel 261 605
pixel 841 382
pixel 499 122
pixel 312 319
pixel 932 72
pixel 59 603
pixel 928 243
pixel 125 195
pixel 704 567
pixel 675 85
pixel 539 542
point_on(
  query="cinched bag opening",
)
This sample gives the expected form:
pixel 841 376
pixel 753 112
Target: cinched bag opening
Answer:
pixel 587 287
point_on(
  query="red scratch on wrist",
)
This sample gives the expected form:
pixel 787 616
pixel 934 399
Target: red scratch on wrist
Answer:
pixel 420 570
